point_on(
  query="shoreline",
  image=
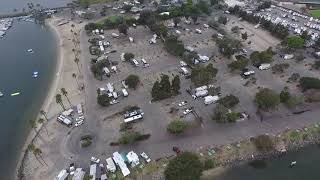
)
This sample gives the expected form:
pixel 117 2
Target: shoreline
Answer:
pixel 46 102
pixel 290 147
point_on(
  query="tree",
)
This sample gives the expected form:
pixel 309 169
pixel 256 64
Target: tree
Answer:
pixel 127 7
pixel 147 17
pixel 244 36
pixel 223 20
pixel 41 121
pixel 161 90
pixel 59 101
pixel 280 68
pixel 129 137
pixel 65 93
pixel 284 96
pixel 33 124
pixel 177 127
pixel 176 84
pixel 267 99
pixel 173 46
pixel 44 114
pixel 132 81
pixel 74 75
pixel 203 6
pixel 229 101
pixel 194 18
pixel 309 83
pixel 235 29
pixel 159 29
pixel 209 164
pixel 31 147
pixel 103 100
pixel 76 60
pixel 294 42
pixel 123 28
pixel 186 166
pixel 128 56
pixel 264 143
pixel 203 75
pixel 238 64
pixel 259 58
pixel 38 152
pixel 155 92
pixel 176 21
pixel 305 36
pixel 228 46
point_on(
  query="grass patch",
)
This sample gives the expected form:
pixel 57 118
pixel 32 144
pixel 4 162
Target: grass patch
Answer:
pixel 315 13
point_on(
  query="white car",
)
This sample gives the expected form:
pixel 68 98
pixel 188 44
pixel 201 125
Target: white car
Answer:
pixel 79 123
pixel 145 157
pixel 80 118
pixel 187 111
pixel 183 103
pixel 113 102
pixel 95 160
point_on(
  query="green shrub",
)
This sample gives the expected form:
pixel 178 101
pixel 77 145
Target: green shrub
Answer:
pixel 209 164
pixel 177 127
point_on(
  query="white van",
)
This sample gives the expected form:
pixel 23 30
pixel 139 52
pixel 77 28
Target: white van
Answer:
pixel 264 66
pixel 125 92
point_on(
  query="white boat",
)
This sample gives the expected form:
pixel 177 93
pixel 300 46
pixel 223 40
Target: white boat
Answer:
pixel 30 50
pixel 293 163
pixel 35 74
pixel 1 94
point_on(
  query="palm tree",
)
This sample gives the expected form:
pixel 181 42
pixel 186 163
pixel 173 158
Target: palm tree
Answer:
pixel 75 77
pixel 65 93
pixel 40 121
pixel 44 114
pixel 38 152
pixel 32 148
pixel 76 60
pixel 33 124
pixel 59 101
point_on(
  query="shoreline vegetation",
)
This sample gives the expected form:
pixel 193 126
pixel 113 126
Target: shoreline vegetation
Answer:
pixel 53 87
pixel 227 156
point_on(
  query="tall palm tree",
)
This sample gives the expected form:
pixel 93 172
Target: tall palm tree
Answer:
pixel 44 114
pixel 33 124
pixel 32 148
pixel 41 121
pixel 75 77
pixel 59 101
pixel 65 93
pixel 38 152
pixel 76 60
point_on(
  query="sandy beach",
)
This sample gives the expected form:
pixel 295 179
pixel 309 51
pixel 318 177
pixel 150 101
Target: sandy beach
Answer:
pixel 65 67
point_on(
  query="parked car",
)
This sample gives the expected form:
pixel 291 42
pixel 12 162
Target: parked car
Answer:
pixel 145 157
pixel 187 111
pixel 183 103
pixel 80 122
pixel 176 149
pixel 95 160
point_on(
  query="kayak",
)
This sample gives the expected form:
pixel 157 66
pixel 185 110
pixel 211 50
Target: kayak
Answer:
pixel 15 94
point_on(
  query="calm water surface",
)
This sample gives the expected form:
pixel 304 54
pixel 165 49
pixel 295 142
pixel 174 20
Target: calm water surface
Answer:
pixel 307 168
pixel 16 67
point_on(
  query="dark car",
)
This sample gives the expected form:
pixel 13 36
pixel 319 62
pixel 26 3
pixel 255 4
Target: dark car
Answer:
pixel 176 149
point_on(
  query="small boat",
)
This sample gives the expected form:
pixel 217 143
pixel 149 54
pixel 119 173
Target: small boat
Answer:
pixel 15 94
pixel 293 163
pixel 35 74
pixel 1 94
pixel 30 50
